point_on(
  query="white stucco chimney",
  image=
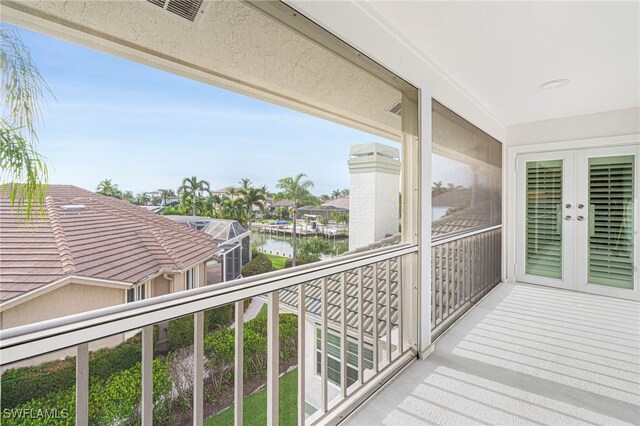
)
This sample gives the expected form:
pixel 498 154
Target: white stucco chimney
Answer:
pixel 373 193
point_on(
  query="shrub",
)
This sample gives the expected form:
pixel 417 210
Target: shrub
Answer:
pixel 24 384
pixel 118 399
pixel 300 260
pixel 260 264
pixel 312 248
pixel 115 401
pixel 181 329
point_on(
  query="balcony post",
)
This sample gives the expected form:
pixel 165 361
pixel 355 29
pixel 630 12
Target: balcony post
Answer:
pixel 82 384
pixel 198 361
pixel 273 357
pixel 238 395
pixel 301 353
pixel 147 375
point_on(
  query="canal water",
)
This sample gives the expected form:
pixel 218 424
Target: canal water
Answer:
pixel 283 246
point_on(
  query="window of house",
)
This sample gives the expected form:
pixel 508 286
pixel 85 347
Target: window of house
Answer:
pixel 136 293
pixel 334 345
pixel 192 278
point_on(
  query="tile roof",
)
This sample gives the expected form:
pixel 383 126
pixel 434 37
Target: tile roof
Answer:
pixel 91 235
pixel 313 293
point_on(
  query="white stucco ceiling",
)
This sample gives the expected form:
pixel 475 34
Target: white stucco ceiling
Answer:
pixel 500 52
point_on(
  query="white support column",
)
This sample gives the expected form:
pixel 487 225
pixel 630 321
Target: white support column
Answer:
pixel 147 376
pixel 82 384
pixel 273 357
pixel 301 353
pixel 238 395
pixel 198 368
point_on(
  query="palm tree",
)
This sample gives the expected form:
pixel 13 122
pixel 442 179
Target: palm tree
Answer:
pixel 23 171
pixel 142 199
pixel 438 188
pixel 108 188
pixel 336 194
pixel 296 190
pixel 192 188
pixel 165 194
pixel 232 208
pixel 252 197
pixel 128 196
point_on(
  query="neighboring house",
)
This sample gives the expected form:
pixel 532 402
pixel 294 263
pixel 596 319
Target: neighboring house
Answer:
pixel 339 205
pixel 90 251
pixel 222 191
pixel 233 240
pixel 454 198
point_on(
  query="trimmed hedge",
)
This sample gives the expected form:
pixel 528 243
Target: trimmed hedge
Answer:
pixel 114 401
pixel 260 264
pixel 20 385
pixel 181 329
pixel 300 260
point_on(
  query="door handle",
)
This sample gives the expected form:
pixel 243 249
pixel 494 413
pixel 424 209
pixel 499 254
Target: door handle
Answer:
pixel 568 206
pixel 580 206
pixel 567 217
pixel 580 218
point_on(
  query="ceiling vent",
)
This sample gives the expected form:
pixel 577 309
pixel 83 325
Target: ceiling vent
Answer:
pixel 187 9
pixel 396 109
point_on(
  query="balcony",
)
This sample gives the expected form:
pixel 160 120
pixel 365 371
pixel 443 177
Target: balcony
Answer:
pixel 524 355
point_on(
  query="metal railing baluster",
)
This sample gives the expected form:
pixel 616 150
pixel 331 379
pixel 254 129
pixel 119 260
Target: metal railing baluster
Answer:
pixel 82 384
pixel 302 314
pixel 238 391
pixel 198 368
pixel 360 326
pixel 343 335
pixel 388 300
pixel 374 312
pixel 273 357
pixel 147 375
pixel 323 348
pixel 400 310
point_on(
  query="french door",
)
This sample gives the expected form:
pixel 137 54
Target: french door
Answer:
pixel 577 220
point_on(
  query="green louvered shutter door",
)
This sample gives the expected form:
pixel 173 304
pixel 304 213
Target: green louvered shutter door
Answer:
pixel 611 221
pixel 544 219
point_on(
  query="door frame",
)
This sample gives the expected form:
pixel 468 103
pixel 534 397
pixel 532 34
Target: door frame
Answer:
pixel 568 196
pixel 582 241
pixel 510 190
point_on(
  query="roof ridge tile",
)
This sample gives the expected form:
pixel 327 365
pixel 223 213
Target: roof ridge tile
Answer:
pixel 62 244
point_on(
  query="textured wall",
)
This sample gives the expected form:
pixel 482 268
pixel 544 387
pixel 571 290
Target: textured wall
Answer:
pixel 66 300
pixel 233 41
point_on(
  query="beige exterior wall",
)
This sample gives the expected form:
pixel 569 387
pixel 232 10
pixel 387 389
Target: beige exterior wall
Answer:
pixel 67 300
pixel 160 286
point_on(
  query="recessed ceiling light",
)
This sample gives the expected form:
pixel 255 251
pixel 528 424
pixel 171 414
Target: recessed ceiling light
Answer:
pixel 554 84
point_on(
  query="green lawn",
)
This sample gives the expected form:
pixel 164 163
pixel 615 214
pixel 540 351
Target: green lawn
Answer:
pixel 276 261
pixel 255 405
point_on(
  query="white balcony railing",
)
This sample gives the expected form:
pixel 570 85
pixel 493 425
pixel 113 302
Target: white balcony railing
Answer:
pixel 364 296
pixel 463 269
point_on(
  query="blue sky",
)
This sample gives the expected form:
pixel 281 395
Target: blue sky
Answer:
pixel 147 129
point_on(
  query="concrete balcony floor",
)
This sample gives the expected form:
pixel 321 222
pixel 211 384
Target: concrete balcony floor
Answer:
pixel 524 355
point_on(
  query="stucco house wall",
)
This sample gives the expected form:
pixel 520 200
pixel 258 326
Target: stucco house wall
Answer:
pixel 69 299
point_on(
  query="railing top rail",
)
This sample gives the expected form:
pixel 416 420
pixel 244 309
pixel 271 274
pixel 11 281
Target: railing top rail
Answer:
pixel 455 237
pixel 36 339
